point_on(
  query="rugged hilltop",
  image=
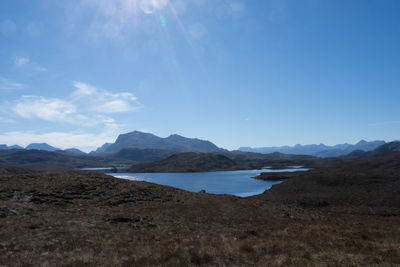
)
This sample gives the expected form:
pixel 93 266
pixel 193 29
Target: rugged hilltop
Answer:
pixel 176 143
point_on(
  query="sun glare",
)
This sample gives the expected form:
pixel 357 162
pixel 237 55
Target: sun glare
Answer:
pixel 151 6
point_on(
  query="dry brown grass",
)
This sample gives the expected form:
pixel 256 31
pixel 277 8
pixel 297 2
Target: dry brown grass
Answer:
pixel 78 219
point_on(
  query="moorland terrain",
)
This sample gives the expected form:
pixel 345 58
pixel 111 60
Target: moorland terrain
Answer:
pixel 345 211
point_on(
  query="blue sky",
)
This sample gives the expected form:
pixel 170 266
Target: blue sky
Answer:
pixel 238 73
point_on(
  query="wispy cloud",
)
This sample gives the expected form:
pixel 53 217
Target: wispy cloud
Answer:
pixel 25 63
pixel 85 141
pixel 50 109
pixel 6 84
pixel 102 101
pixel 86 106
pixel 6 120
pixel 21 61
pixel 83 90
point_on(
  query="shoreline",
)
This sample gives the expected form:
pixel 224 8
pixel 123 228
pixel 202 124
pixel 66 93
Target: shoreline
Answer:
pixel 78 218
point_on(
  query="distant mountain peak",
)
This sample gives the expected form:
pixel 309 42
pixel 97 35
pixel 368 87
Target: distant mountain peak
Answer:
pixel 41 146
pixel 6 147
pixel 361 142
pixel 175 135
pixel 178 137
pixel 174 142
pixel 134 134
pixel 144 133
pixel 138 132
pixel 320 150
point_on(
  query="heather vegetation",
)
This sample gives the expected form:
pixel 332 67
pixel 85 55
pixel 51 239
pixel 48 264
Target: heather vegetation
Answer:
pixel 346 214
pixel 199 133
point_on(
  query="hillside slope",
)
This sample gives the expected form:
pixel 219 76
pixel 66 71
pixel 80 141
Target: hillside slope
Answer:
pixel 187 162
pixel 369 181
pixel 388 147
pixel 344 217
pixel 40 160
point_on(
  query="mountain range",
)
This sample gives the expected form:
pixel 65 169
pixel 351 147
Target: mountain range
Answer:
pixel 154 160
pixel 195 162
pixel 175 143
pixel 320 150
pixel 41 146
pixel 5 147
pixel 142 146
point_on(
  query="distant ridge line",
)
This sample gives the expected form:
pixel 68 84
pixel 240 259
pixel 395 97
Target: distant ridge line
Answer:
pixel 320 150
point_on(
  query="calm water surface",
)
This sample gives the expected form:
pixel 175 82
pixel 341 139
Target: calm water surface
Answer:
pixel 238 183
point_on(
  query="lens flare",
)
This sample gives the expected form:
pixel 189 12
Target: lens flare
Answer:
pixel 150 6
pixel 163 21
pixel 147 7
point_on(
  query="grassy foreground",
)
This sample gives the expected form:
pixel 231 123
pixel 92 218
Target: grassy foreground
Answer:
pixel 76 218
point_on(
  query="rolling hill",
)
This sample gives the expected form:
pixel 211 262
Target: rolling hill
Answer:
pixel 187 162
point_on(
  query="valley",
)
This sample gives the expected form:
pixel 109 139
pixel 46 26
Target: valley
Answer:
pixel 343 211
pixel 345 216
pixel 199 133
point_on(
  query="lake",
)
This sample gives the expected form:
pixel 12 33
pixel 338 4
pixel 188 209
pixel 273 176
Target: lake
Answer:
pixel 238 183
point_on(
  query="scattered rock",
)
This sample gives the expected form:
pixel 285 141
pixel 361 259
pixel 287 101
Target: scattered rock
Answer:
pixel 124 220
pixel 14 211
pixel 20 197
pixel 252 232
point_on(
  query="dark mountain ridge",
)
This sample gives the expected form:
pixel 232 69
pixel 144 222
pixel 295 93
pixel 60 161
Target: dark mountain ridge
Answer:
pixel 388 147
pixel 173 142
pixel 101 149
pixel 142 155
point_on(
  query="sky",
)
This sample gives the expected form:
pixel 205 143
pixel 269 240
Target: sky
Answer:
pixel 253 73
